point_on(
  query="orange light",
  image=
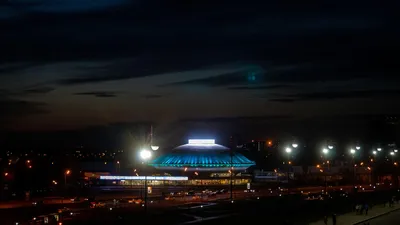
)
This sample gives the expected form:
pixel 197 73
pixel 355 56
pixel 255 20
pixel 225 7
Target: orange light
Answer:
pixel 5 174
pixel 290 162
pixel 28 161
pixel 395 163
pixel 361 163
pixel 269 143
pixel 67 172
pixel 318 166
pixel 30 167
pixel 185 169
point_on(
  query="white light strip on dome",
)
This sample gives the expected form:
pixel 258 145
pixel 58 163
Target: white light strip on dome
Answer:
pixel 201 141
pixel 141 178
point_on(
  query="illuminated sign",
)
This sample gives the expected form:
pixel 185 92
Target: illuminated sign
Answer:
pixel 142 178
pixel 201 141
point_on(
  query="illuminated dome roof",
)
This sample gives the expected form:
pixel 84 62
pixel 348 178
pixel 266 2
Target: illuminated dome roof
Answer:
pixel 201 155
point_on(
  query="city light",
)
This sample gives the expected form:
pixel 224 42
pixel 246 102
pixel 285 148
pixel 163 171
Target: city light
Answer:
pixel 201 141
pixel 352 151
pixel 288 150
pixel 145 154
pixel 395 150
pixel 374 152
pixel 154 147
pixel 325 151
pixel 171 178
pixel 391 153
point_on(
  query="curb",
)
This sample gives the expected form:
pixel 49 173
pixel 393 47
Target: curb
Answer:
pixel 383 214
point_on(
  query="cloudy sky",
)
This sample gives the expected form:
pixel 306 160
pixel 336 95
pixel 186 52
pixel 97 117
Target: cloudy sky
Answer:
pixel 67 64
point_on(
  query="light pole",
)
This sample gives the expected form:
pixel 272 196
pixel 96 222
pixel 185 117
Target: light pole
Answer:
pixel 353 152
pixel 288 152
pixel 325 152
pixel 145 155
pixel 66 173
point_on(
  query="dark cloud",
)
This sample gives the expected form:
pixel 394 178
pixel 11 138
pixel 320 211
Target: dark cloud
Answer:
pixel 338 95
pixel 262 87
pixel 281 100
pixel 237 119
pixel 99 94
pixel 41 90
pixel 15 108
pixel 152 96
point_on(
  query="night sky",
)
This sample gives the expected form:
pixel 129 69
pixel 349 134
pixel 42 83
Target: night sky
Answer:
pixel 70 64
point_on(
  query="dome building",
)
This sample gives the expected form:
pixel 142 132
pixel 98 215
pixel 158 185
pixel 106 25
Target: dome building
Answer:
pixel 202 155
pixel 204 161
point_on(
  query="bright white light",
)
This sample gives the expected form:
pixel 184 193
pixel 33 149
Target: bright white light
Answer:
pixel 294 145
pixel 145 154
pixel 154 147
pixel 358 147
pixel 330 146
pixel 391 153
pixel 395 150
pixel 201 141
pixel 352 151
pixel 288 150
pixel 374 152
pixel 379 149
pixel 325 151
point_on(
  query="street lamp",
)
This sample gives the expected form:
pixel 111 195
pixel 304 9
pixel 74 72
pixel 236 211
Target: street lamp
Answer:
pixel 295 145
pixel 374 152
pixel 358 147
pixel 379 149
pixel 66 173
pixel 353 152
pixel 325 151
pixel 288 151
pixel 330 147
pixel 145 155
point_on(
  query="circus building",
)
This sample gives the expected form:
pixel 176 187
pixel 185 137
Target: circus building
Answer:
pixel 205 163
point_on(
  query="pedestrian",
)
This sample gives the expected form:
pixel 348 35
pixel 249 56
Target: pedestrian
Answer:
pixel 366 209
pixel 325 220
pixel 334 219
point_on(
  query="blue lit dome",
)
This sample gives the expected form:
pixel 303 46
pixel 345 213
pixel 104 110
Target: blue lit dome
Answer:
pixel 201 155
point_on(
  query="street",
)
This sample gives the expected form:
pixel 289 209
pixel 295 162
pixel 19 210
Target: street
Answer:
pixel 392 218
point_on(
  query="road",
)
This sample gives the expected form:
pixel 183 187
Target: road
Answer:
pixel 390 219
pixel 157 193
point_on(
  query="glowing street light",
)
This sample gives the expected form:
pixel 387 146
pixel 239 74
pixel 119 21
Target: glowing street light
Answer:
pixel 358 147
pixel 145 155
pixel 154 147
pixel 330 147
pixel 295 145
pixel 325 151
pixel 374 152
pixel 288 150
pixel 395 150
pixel 391 153
pixel 352 151
pixel 379 149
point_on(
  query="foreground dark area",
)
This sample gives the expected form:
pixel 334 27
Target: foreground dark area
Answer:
pixel 285 209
